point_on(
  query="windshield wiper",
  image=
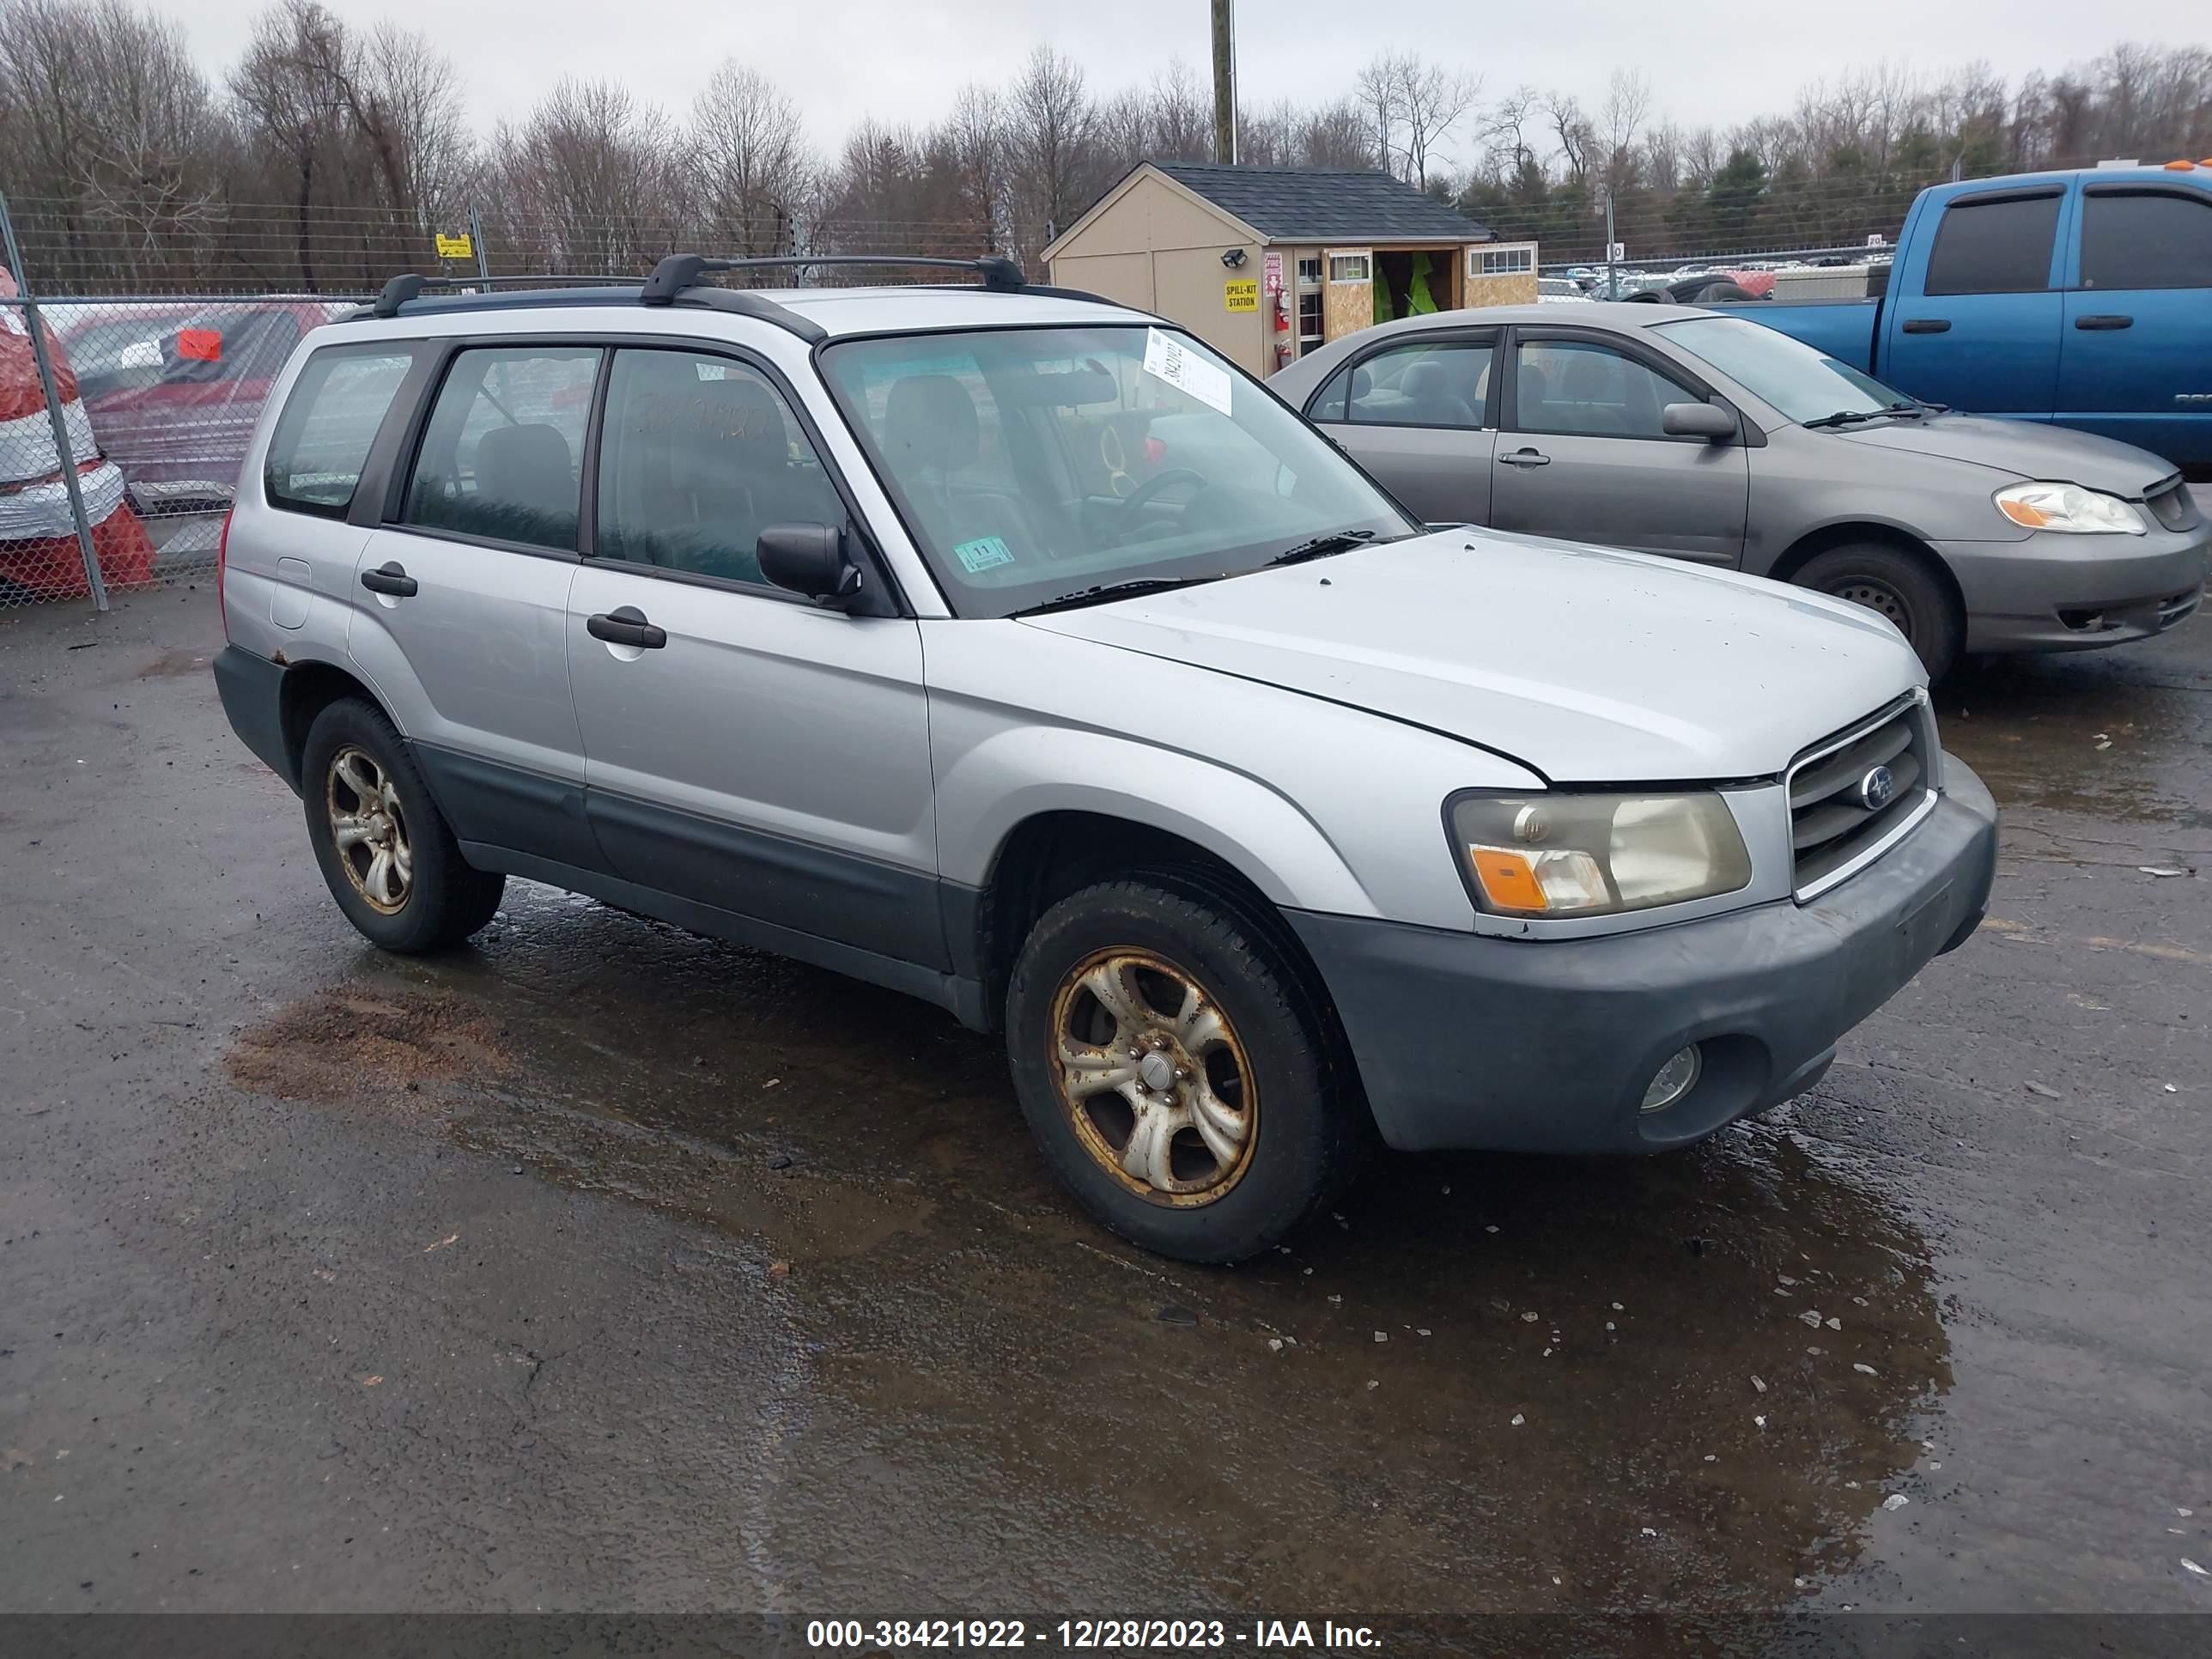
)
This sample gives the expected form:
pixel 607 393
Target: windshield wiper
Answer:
pixel 1337 541
pixel 1853 416
pixel 1106 590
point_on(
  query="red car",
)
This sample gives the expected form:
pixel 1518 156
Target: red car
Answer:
pixel 174 391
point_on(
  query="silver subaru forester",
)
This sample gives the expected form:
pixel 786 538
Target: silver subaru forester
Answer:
pixel 1012 649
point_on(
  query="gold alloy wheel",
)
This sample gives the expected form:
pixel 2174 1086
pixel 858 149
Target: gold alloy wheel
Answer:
pixel 369 831
pixel 1153 1077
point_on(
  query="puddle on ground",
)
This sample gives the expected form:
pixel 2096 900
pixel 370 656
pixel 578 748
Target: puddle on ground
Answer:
pixel 1337 1420
pixel 2108 735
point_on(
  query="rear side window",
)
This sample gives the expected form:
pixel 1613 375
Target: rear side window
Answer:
pixel 500 454
pixel 2000 247
pixel 2146 240
pixel 322 438
pixel 1329 403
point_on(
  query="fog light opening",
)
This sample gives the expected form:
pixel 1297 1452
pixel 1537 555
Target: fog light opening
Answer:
pixel 1674 1080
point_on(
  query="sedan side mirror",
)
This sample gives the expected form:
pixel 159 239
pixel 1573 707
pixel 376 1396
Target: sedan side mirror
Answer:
pixel 809 559
pixel 1707 421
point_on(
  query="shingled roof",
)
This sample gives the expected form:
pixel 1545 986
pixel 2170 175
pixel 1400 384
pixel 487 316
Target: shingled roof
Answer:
pixel 1326 204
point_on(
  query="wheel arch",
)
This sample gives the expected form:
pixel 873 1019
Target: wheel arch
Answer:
pixel 307 689
pixel 1845 532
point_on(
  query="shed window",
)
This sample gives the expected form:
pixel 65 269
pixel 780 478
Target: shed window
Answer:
pixel 1506 261
pixel 1310 270
pixel 1350 268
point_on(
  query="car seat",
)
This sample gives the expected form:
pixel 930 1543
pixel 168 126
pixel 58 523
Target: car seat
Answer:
pixel 1430 399
pixel 526 487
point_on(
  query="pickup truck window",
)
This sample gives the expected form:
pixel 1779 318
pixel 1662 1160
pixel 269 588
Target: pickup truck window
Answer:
pixel 2146 239
pixel 1997 245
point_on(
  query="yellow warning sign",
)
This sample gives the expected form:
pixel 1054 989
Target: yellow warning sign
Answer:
pixel 1241 295
pixel 456 248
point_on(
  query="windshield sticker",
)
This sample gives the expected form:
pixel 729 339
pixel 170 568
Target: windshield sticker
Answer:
pixel 1167 358
pixel 984 553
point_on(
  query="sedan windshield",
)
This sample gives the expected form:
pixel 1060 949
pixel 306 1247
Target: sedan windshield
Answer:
pixel 1805 385
pixel 1042 465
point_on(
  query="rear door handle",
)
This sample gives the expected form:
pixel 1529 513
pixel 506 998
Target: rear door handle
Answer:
pixel 1927 324
pixel 1524 457
pixel 2105 321
pixel 626 626
pixel 390 578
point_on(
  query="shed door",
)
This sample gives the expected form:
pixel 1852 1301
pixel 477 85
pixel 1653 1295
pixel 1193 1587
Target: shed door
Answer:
pixel 1347 302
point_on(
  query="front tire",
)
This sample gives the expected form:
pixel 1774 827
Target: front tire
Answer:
pixel 1175 1071
pixel 1895 584
pixel 387 855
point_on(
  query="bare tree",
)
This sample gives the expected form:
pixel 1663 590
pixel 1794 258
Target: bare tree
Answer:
pixel 1431 101
pixel 749 159
pixel 1051 122
pixel 1573 132
pixel 588 183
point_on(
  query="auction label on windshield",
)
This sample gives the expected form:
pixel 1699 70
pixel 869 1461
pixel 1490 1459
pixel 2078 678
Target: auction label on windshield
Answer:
pixel 1167 358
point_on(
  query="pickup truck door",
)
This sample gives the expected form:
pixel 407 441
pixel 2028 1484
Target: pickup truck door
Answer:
pixel 2135 358
pixel 1420 416
pixel 1974 317
pixel 1581 454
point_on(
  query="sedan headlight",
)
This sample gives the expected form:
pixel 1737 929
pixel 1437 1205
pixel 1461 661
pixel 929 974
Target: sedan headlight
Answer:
pixel 1594 856
pixel 2069 507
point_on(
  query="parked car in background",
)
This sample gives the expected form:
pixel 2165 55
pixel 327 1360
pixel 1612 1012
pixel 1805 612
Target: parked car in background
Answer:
pixel 2081 299
pixel 1256 816
pixel 173 391
pixel 1701 435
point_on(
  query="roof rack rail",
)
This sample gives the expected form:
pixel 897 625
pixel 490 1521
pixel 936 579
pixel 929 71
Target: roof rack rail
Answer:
pixel 409 285
pixel 681 271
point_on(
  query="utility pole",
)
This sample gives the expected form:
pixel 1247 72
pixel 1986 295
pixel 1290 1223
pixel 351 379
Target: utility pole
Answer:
pixel 1224 83
pixel 1611 278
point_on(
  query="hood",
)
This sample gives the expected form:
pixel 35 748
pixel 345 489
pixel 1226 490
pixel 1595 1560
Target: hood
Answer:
pixel 1585 665
pixel 2022 449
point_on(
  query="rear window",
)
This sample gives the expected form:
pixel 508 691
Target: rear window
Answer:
pixel 2146 240
pixel 2000 247
pixel 322 439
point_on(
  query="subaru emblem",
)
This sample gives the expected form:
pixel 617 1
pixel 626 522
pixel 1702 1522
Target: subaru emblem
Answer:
pixel 1877 789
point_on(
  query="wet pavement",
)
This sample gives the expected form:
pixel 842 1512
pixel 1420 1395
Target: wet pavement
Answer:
pixel 601 1267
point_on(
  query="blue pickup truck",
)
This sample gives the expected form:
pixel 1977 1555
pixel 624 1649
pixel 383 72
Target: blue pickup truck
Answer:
pixel 2083 299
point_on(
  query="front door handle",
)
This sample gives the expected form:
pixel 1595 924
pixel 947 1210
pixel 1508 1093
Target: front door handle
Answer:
pixel 1927 324
pixel 1524 457
pixel 391 578
pixel 626 626
pixel 2105 321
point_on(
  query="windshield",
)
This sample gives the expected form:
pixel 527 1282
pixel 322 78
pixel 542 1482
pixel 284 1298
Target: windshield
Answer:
pixel 1037 463
pixel 1805 385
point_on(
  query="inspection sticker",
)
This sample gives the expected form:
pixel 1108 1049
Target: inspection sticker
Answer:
pixel 1167 358
pixel 984 553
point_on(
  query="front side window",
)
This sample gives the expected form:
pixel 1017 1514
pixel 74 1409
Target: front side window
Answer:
pixel 1580 388
pixel 500 451
pixel 697 456
pixel 1805 385
pixel 1423 383
pixel 2147 239
pixel 1033 464
pixel 323 437
pixel 2000 247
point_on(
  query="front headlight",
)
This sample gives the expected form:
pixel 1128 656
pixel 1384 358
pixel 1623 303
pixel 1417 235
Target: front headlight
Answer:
pixel 1595 855
pixel 2069 507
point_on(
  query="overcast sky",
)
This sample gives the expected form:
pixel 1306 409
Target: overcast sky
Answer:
pixel 900 60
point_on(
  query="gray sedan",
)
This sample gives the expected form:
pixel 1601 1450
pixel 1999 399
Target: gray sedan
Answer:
pixel 1691 432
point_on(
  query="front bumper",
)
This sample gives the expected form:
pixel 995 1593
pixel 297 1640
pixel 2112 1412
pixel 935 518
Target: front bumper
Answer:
pixel 2055 593
pixel 1548 1045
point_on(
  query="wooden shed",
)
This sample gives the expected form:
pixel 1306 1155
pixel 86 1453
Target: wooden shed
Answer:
pixel 1266 263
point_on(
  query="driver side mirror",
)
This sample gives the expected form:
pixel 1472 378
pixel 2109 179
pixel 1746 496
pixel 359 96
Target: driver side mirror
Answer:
pixel 1707 421
pixel 809 559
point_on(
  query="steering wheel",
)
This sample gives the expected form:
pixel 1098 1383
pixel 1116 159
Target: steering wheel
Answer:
pixel 1143 494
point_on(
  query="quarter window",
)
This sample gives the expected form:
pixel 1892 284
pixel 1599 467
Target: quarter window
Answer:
pixel 697 456
pixel 2000 247
pixel 499 457
pixel 1424 383
pixel 2146 240
pixel 322 439
pixel 1580 388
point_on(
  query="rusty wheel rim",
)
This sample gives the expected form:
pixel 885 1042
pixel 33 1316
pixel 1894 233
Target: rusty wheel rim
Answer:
pixel 369 831
pixel 1153 1077
pixel 1878 596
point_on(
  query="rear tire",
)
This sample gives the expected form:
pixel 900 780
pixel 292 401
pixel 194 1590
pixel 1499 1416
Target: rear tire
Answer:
pixel 1895 584
pixel 387 853
pixel 1175 1070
